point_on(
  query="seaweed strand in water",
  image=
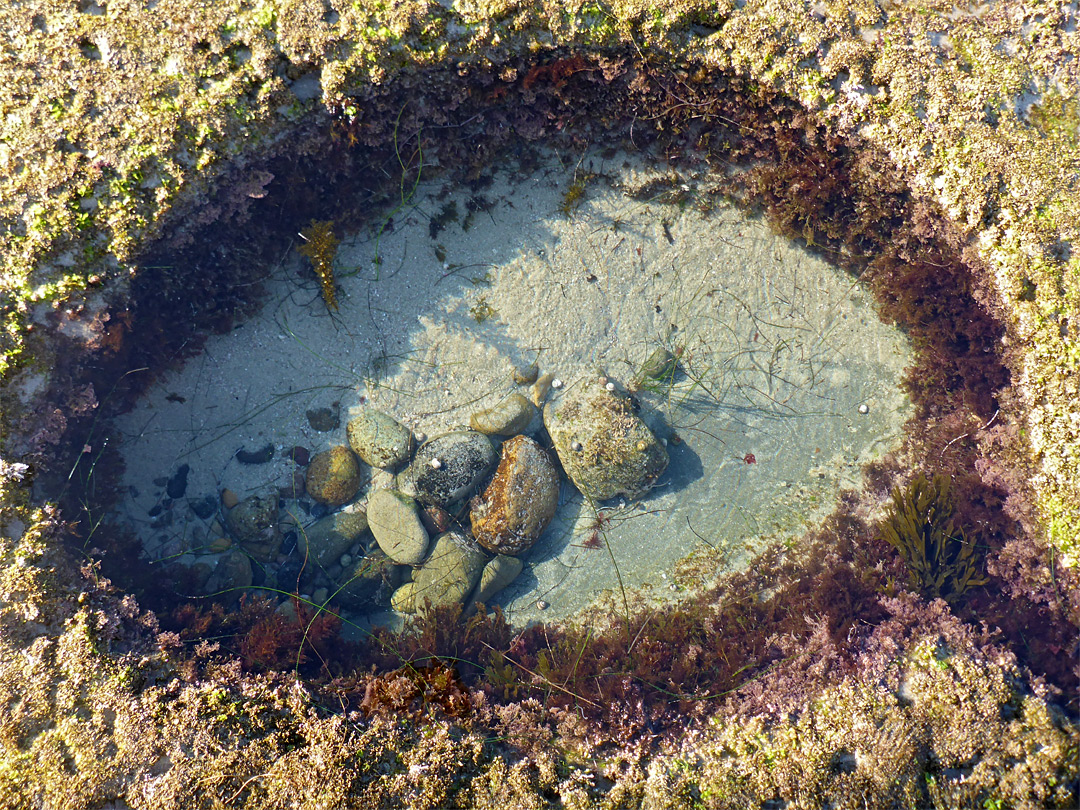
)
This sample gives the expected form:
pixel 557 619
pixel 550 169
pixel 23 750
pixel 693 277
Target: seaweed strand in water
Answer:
pixel 941 561
pixel 320 246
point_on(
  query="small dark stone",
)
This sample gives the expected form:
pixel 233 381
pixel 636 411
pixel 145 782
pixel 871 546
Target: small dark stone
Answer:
pixel 289 543
pixel 155 510
pixel 203 507
pixel 318 510
pixel 133 491
pixel 161 481
pixel 258 574
pixel 324 419
pixel 300 455
pixel 176 486
pixel 260 456
pixel 435 519
pixel 289 573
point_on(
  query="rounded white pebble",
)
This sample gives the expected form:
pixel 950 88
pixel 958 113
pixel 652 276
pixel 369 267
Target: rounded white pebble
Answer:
pixel 864 408
pixel 435 464
pixel 556 383
pixel 575 446
pixel 610 386
pixel 420 437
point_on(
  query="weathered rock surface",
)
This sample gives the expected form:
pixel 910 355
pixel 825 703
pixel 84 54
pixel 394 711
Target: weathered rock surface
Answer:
pixel 322 543
pixel 497 574
pixel 448 575
pixel 520 501
pixel 369 580
pixel 659 365
pixel 221 575
pixel 395 521
pixel 604 447
pixel 334 476
pixel 254 524
pixel 450 467
pixel 380 440
pixel 403 599
pixel 507 418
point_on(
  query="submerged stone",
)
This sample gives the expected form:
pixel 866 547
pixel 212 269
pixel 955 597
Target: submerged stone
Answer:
pixel 260 456
pixel 380 440
pixel 368 581
pixel 177 483
pixel 659 365
pixel 604 447
pixel 526 374
pixel 323 542
pixel 333 476
pixel 448 575
pixel 395 522
pixel 497 574
pixel 254 524
pixel 221 575
pixel 509 417
pixel 324 419
pixel 450 467
pixel 520 501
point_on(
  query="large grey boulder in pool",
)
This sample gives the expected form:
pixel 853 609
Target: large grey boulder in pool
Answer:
pixel 604 447
pixel 449 468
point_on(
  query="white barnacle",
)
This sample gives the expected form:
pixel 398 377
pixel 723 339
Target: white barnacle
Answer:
pixel 556 383
pixel 575 446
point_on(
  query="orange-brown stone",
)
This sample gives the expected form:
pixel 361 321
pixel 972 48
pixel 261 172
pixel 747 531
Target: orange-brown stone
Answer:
pixel 520 501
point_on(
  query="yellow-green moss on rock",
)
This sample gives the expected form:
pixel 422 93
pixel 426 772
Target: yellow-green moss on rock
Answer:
pixel 121 123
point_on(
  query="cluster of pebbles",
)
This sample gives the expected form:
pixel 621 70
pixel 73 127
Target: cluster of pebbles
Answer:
pixel 415 524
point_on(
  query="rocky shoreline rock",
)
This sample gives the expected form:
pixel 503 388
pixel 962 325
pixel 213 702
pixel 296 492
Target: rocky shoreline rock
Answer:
pixel 333 476
pixel 520 501
pixel 604 447
pixel 449 468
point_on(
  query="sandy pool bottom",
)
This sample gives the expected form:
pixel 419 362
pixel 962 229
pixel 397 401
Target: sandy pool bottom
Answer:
pixel 788 381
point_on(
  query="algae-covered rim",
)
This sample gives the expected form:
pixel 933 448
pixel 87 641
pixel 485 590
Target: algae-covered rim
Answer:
pixel 920 104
